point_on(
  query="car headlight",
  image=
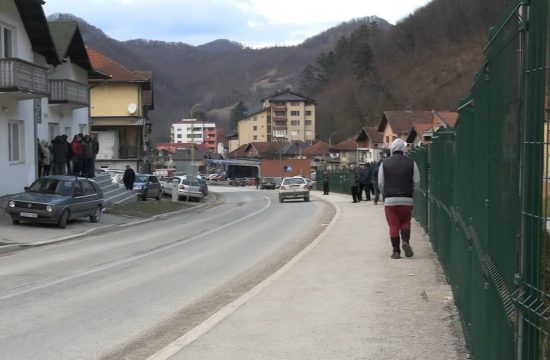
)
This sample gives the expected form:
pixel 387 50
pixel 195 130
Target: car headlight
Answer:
pixel 11 203
pixel 49 208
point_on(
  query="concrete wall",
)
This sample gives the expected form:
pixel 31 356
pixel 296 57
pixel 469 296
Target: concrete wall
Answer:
pixel 112 100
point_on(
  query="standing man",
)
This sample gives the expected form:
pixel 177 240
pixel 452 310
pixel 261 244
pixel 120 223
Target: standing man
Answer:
pixel 366 182
pixel 326 180
pixel 354 181
pixel 128 178
pixel 398 179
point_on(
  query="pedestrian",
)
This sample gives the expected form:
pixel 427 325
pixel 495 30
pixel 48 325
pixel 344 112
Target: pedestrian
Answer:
pixel 366 183
pixel 129 177
pixel 39 157
pixel 59 155
pixel 87 157
pixel 354 181
pixel 95 146
pixel 398 179
pixel 46 158
pixel 374 180
pixel 68 161
pixel 76 155
pixel 257 181
pixel 326 181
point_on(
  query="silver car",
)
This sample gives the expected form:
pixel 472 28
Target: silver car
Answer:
pixel 185 186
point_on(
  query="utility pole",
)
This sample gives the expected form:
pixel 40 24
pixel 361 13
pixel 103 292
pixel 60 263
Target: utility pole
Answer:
pixel 192 117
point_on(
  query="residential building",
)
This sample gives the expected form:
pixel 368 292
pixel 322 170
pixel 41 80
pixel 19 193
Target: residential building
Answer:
pixel 318 154
pixel 370 144
pixel 343 154
pixel 284 117
pixel 119 110
pixel 27 54
pixel 68 111
pixel 422 132
pixel 195 131
pixel 398 124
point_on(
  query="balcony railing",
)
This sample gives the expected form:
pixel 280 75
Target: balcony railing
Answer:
pixel 279 107
pixel 67 91
pixel 279 118
pixel 26 78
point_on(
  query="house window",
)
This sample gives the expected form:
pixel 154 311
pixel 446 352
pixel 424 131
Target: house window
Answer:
pixel 308 112
pixel 308 122
pixel 255 138
pixel 295 122
pixel 15 141
pixel 255 128
pixel 294 113
pixel 6 42
pixel 294 104
pixel 294 132
pixel 179 136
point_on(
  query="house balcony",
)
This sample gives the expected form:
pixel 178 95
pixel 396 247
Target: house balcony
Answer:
pixel 279 108
pixel 71 93
pixel 22 79
pixel 280 118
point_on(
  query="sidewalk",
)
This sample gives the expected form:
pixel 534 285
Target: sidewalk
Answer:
pixel 341 298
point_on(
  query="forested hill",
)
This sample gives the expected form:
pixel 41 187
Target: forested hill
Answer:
pixel 354 70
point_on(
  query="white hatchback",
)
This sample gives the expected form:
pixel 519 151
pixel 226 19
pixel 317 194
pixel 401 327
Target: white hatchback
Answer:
pixel 295 187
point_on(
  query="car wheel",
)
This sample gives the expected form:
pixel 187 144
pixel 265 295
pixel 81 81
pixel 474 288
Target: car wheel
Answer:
pixel 281 199
pixel 96 216
pixel 62 223
pixel 306 198
pixel 15 222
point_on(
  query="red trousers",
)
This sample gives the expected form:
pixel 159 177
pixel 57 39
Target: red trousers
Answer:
pixel 398 217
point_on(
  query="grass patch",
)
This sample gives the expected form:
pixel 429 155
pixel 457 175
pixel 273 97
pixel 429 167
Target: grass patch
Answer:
pixel 145 209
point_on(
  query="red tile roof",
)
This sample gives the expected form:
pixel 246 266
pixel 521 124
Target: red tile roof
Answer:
pixel 449 117
pixel 118 72
pixel 319 148
pixel 346 145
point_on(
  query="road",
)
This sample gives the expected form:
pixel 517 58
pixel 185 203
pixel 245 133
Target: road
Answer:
pixel 128 293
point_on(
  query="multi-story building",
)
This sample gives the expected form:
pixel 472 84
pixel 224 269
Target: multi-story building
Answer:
pixel 195 131
pixel 119 110
pixel 285 116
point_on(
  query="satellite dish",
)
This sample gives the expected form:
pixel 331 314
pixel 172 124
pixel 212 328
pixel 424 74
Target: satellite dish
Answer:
pixel 132 108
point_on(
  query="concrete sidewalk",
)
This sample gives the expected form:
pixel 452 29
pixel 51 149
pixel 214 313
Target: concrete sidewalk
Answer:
pixel 340 298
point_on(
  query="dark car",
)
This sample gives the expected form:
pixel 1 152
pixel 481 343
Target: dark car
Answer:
pixel 147 186
pixel 268 183
pixel 57 199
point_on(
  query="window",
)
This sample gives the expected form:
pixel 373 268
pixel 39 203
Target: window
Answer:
pixel 295 122
pixel 255 137
pixel 6 42
pixel 15 141
pixel 294 104
pixel 87 188
pixel 179 136
pixel 308 112
pixel 295 132
pixel 308 122
pixel 255 128
pixel 294 113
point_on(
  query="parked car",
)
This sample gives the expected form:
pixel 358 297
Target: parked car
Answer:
pixel 268 183
pixel 147 186
pixel 57 199
pixel 237 182
pixel 185 186
pixel 204 186
pixel 294 187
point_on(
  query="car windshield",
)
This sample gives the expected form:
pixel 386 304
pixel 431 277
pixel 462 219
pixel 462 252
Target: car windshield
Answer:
pixel 293 181
pixel 142 178
pixel 52 186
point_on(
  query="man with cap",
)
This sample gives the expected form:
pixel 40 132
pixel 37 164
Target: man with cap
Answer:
pixel 398 179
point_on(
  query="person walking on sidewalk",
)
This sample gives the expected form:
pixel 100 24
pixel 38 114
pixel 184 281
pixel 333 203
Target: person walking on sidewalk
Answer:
pixel 398 179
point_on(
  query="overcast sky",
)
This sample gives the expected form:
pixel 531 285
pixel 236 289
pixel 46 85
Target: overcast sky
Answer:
pixel 254 23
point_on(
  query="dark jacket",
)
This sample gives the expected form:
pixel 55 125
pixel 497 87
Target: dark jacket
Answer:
pixel 59 150
pixel 366 175
pixel 398 176
pixel 129 177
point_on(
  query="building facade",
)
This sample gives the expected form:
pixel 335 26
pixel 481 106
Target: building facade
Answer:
pixel 195 131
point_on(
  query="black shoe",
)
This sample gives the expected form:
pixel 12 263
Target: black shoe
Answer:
pixel 407 248
pixel 353 201
pixel 395 255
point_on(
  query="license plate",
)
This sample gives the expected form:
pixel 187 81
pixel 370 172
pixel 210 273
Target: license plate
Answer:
pixel 29 215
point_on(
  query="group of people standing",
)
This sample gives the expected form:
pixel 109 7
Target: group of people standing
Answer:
pixel 61 157
pixel 365 179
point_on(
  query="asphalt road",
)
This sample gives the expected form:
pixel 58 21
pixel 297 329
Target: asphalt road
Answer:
pixel 128 293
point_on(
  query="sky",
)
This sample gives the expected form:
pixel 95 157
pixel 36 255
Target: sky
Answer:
pixel 253 23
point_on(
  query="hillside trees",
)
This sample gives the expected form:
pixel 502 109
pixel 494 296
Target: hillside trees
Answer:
pixel 237 113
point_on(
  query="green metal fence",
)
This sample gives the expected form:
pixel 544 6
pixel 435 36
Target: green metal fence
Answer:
pixel 486 208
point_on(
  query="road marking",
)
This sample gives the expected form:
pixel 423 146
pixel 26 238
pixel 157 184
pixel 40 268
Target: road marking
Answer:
pixel 192 335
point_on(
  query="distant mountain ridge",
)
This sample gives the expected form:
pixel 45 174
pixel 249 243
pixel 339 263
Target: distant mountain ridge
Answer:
pixel 217 74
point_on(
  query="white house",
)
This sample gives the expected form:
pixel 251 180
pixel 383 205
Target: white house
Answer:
pixel 194 131
pixel 27 57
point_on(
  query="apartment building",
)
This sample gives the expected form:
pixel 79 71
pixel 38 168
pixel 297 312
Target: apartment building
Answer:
pixel 195 131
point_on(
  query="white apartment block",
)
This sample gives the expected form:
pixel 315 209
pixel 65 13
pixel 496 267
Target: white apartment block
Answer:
pixel 194 131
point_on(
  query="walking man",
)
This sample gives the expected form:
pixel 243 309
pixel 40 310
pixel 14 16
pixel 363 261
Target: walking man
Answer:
pixel 398 179
pixel 326 179
pixel 128 178
pixel 354 181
